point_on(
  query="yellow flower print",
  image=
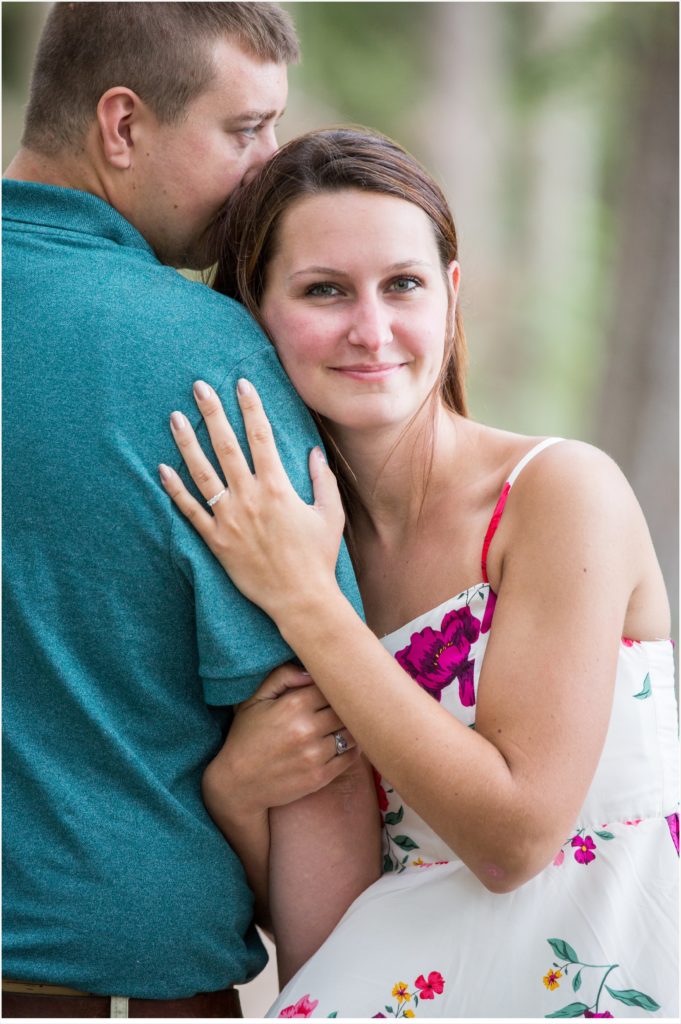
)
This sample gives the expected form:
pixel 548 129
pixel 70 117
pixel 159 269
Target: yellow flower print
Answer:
pixel 409 1013
pixel 401 992
pixel 551 979
pixel 418 862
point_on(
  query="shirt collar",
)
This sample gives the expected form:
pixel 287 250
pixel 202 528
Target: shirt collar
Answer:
pixel 68 209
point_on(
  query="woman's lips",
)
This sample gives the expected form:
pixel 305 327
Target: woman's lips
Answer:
pixel 368 372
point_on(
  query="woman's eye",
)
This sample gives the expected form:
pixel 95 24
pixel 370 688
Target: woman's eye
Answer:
pixel 405 284
pixel 321 290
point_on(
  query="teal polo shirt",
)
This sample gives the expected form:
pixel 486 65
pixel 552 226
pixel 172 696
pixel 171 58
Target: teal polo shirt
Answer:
pixel 124 642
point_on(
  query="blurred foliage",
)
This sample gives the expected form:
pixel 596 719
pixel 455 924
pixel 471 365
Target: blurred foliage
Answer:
pixel 371 64
pixel 532 116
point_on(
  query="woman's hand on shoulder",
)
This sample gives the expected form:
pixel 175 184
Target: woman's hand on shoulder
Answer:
pixel 279 551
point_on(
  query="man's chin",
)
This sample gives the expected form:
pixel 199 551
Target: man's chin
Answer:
pixel 198 258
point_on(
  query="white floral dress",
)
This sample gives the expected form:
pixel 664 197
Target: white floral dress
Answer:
pixel 593 935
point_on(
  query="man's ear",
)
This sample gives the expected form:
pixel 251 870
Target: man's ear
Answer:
pixel 117 109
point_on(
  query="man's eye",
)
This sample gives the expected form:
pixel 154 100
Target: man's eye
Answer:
pixel 250 133
pixel 405 284
pixel 321 290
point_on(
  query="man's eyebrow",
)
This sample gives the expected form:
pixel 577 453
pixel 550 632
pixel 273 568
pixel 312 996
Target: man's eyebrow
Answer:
pixel 255 115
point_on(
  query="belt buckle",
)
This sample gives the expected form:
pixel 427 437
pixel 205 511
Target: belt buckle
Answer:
pixel 120 1006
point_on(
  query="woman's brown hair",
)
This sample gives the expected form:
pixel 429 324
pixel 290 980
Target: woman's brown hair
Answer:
pixel 244 236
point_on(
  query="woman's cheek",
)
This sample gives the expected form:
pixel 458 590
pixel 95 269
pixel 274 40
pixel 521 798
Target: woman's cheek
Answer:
pixel 301 340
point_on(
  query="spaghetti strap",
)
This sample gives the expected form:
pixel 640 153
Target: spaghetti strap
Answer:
pixel 499 507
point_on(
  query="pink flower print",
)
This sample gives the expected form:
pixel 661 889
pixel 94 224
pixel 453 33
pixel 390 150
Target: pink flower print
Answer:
pixel 303 1008
pixel 434 986
pixel 584 852
pixel 435 658
pixel 633 821
pixel 489 612
pixel 673 822
pixel 607 1013
pixel 559 858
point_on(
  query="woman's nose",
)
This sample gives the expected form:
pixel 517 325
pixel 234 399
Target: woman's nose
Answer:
pixel 371 327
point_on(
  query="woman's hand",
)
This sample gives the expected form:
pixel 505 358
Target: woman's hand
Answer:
pixel 281 746
pixel 276 549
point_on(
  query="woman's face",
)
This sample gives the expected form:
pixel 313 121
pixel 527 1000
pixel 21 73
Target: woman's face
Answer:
pixel 356 302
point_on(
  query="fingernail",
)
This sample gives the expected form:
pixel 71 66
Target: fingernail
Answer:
pixel 243 387
pixel 177 420
pixel 165 473
pixel 320 454
pixel 202 390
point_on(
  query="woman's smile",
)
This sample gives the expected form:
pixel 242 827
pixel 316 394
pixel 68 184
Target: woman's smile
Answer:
pixel 369 372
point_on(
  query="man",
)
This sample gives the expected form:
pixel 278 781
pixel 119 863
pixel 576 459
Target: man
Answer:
pixel 126 646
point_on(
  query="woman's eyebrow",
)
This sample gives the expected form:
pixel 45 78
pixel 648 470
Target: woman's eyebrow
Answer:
pixel 401 265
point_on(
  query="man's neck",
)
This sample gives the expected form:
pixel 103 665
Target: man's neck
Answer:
pixel 29 165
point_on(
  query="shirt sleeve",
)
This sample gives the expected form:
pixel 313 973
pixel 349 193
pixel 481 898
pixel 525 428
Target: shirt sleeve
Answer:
pixel 238 645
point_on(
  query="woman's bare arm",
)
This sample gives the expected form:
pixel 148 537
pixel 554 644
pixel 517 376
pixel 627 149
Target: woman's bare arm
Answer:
pixel 280 748
pixel 325 850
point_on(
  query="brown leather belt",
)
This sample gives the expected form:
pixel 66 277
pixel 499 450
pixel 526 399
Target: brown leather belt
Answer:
pixel 32 999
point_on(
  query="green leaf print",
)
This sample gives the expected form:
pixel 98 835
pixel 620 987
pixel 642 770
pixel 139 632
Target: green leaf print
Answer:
pixel 334 1014
pixel 577 982
pixel 632 997
pixel 387 864
pixel 571 1010
pixel 644 693
pixel 604 835
pixel 564 950
pixel 394 817
pixel 405 843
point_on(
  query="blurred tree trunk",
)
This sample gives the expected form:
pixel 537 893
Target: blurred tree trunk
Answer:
pixel 638 412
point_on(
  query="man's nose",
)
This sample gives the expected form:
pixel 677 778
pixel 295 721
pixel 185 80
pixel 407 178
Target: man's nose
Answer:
pixel 267 147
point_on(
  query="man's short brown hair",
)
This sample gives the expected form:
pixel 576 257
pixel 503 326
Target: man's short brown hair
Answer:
pixel 159 50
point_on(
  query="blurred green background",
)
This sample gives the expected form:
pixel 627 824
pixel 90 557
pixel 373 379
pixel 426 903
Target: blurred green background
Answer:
pixel 553 128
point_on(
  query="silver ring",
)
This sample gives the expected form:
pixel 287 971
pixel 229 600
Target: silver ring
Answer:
pixel 341 743
pixel 216 497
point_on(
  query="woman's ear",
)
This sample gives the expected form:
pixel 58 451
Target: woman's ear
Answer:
pixel 453 273
pixel 117 110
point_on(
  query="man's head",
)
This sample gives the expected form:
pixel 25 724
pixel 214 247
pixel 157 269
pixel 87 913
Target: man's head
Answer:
pixel 170 106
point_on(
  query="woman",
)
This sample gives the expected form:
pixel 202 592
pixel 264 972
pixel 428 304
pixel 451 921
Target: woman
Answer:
pixel 527 780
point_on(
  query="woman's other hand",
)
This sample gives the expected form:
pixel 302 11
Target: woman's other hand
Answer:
pixel 277 549
pixel 281 747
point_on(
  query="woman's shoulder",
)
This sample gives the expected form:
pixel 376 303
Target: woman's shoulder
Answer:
pixel 572 504
pixel 573 494
pixel 553 468
pixel 556 468
pixel 584 472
